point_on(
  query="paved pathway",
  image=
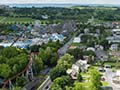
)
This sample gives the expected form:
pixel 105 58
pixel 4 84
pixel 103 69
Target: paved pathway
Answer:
pixel 109 74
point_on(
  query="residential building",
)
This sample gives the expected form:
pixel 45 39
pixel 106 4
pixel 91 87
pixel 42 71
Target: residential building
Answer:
pixel 101 55
pixel 77 40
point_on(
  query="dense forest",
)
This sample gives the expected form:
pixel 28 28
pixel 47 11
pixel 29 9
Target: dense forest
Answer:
pixel 56 13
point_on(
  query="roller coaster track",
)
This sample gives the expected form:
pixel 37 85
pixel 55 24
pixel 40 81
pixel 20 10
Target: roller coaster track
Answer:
pixel 23 71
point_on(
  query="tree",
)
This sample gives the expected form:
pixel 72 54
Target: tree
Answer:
pixel 77 53
pixel 79 77
pixel 61 82
pixel 5 70
pixel 69 88
pixel 89 53
pixel 12 61
pixel 38 63
pixel 54 58
pixel 94 79
pixel 57 72
pixel 66 61
pixel 105 44
pixel 17 88
pixel 78 86
pixel 55 87
pixel 6 52
pixel 49 56
pixel 34 48
pixel 21 81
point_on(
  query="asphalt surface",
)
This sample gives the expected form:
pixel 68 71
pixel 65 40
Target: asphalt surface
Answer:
pixel 63 49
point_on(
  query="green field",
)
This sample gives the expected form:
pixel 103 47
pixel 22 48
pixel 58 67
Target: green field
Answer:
pixel 1 17
pixel 16 20
pixel 99 8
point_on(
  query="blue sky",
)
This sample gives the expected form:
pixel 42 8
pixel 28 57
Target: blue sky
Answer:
pixel 63 1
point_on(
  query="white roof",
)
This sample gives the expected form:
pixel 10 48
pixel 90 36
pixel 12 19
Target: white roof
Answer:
pixel 69 71
pixel 91 48
pixel 18 43
pixel 118 73
pixel 77 40
pixel 82 62
pixel 75 67
pixel 116 30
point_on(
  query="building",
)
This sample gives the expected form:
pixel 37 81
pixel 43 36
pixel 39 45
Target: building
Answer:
pixel 116 32
pixel 77 40
pixel 75 69
pixel 83 65
pixel 19 44
pixel 114 47
pixel 115 36
pixel 101 55
pixel 86 31
pixel 116 78
pixel 55 37
pixel 91 49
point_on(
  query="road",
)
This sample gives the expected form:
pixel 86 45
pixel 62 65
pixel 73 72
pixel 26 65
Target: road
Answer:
pixel 63 49
pixel 46 84
pixel 109 74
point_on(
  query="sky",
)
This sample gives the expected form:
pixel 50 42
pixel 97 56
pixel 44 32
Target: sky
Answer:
pixel 116 2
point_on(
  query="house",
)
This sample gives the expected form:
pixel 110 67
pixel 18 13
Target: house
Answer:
pixel 101 55
pixel 64 28
pixel 82 65
pixel 115 36
pixel 79 65
pixel 114 47
pixel 72 74
pixel 116 78
pixel 118 73
pixel 73 71
pixel 3 37
pixel 116 32
pixel 73 47
pixel 113 39
pixel 77 40
pixel 75 68
pixel 86 31
pixel 99 47
pixel 55 37
pixel 91 49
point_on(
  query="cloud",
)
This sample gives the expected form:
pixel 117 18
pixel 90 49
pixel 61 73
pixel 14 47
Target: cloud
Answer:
pixel 63 1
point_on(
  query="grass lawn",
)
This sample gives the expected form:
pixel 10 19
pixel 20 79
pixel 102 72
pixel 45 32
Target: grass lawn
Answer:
pixel 104 83
pixel 78 44
pixel 13 20
pixel 1 17
pixel 110 63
